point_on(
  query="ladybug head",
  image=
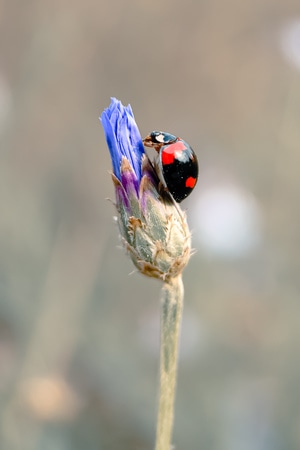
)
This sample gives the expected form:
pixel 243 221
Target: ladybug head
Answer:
pixel 157 139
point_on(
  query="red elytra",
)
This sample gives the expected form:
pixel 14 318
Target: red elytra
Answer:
pixel 191 182
pixel 168 154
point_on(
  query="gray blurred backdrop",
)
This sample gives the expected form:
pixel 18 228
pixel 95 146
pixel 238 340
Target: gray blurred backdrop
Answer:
pixel 79 333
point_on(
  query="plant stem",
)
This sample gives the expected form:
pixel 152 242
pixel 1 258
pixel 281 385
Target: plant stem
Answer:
pixel 171 313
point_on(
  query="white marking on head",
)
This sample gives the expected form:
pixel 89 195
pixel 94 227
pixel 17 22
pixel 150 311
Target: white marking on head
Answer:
pixel 160 138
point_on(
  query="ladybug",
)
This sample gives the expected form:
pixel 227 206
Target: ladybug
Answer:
pixel 177 164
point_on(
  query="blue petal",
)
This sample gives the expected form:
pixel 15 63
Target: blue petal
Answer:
pixel 123 137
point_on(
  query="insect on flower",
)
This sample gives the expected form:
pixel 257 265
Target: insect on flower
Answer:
pixel 152 227
pixel 176 164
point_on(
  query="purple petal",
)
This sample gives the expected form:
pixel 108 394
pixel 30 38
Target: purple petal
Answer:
pixel 112 143
pixel 123 137
pixel 130 182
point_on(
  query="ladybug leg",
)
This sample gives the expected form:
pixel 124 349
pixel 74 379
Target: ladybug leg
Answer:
pixel 164 192
pixel 168 197
pixel 148 142
pixel 162 187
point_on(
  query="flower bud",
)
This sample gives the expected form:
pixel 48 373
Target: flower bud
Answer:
pixel 153 228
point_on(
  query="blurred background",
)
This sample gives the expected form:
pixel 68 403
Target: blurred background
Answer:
pixel 79 333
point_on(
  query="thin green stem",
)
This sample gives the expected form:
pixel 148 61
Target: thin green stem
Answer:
pixel 171 313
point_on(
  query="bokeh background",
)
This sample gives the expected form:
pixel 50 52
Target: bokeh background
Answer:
pixel 79 333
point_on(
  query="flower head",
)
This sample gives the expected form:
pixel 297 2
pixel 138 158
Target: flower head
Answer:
pixel 152 227
pixel 123 137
